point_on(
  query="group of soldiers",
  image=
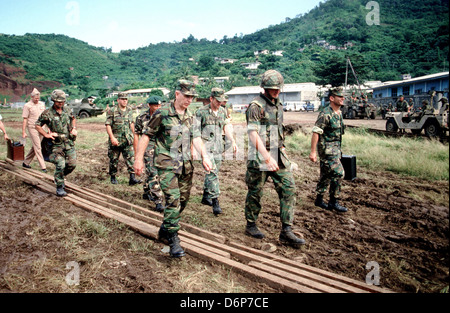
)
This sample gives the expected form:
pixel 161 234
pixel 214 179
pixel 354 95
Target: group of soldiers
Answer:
pixel 164 140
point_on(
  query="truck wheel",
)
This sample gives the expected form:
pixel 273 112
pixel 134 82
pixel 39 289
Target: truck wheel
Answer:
pixel 391 125
pixel 433 129
pixel 84 114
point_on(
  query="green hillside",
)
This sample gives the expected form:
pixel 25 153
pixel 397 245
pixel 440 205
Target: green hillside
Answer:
pixel 412 37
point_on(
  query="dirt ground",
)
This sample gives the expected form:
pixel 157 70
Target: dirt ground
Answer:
pixel 400 223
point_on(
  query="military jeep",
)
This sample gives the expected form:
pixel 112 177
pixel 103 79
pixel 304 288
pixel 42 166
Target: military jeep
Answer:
pixel 84 108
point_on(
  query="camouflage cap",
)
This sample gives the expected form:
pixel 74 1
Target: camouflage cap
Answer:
pixel 337 92
pixel 186 87
pixel 154 100
pixel 219 94
pixel 122 95
pixel 58 96
pixel 272 79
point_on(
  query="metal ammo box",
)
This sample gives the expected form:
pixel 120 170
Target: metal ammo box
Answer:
pixel 349 164
pixel 16 151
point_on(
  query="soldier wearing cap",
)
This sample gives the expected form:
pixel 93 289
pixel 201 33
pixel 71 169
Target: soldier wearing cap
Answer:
pixel 172 129
pixel 152 188
pixel 327 138
pixel 210 122
pixel 120 128
pixel 31 112
pixel 62 131
pixel 268 158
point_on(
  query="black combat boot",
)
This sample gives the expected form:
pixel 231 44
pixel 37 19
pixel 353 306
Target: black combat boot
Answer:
pixel 206 200
pixel 133 181
pixel 319 202
pixel 60 192
pixel 334 205
pixel 159 208
pixel 253 231
pixel 114 180
pixel 289 238
pixel 175 248
pixel 163 235
pixel 216 207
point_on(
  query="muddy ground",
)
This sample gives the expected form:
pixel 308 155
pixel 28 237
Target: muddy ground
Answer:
pixel 399 222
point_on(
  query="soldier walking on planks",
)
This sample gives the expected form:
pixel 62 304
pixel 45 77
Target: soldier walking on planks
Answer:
pixel 172 128
pixel 120 128
pixel 327 137
pixel 268 158
pixel 152 188
pixel 63 132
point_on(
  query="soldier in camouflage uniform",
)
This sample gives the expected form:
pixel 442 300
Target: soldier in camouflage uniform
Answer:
pixel 62 131
pixel 172 128
pixel 120 128
pixel 210 122
pixel 267 158
pixel 401 104
pixel 327 137
pixel 152 188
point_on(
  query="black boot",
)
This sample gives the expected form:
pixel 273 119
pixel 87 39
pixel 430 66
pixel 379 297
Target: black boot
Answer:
pixel 163 235
pixel 175 248
pixel 334 205
pixel 159 208
pixel 206 200
pixel 133 181
pixel 114 180
pixel 289 238
pixel 319 202
pixel 60 192
pixel 253 231
pixel 216 207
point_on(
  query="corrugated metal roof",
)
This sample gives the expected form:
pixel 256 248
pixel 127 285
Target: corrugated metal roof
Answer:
pixel 412 80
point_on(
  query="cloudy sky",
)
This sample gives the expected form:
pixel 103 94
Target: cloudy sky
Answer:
pixel 131 24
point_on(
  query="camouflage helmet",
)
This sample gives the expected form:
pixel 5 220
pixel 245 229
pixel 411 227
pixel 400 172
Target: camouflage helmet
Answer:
pixel 58 96
pixel 219 94
pixel 272 80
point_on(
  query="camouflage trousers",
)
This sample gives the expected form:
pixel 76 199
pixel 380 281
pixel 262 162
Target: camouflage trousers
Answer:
pixel 211 188
pixel 114 152
pixel 65 160
pixel 284 185
pixel 177 191
pixel 151 184
pixel 331 174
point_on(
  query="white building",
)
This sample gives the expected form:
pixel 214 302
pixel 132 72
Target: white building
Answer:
pixel 291 94
pixel 139 92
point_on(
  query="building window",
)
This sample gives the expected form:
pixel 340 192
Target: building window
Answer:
pixel 394 92
pixel 406 91
pixel 418 91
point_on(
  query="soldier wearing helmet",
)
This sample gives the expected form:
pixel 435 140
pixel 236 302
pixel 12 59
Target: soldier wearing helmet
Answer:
pixel 62 132
pixel 268 158
pixel 172 129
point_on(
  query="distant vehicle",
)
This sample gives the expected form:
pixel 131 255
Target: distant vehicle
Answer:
pixel 294 106
pixel 84 108
pixel 433 122
pixel 309 107
pixel 241 108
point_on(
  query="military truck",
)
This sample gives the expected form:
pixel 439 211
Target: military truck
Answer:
pixel 434 122
pixel 357 109
pixel 84 108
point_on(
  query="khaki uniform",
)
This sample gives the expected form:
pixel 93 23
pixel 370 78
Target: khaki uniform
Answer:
pixel 31 112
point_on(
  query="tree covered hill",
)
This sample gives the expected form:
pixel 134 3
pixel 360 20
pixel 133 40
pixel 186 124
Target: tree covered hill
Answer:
pixel 411 37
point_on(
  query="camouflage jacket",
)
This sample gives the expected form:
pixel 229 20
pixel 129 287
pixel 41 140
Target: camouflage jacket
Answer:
pixel 266 118
pixel 402 106
pixel 139 126
pixel 173 138
pixel 120 122
pixel 59 123
pixel 210 127
pixel 330 127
